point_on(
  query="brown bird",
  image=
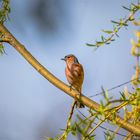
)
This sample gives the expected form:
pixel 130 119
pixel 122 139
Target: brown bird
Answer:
pixel 75 74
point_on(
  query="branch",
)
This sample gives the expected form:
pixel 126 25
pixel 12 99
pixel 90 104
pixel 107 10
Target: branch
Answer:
pixel 93 129
pixel 100 125
pixel 64 135
pixel 118 26
pixel 61 85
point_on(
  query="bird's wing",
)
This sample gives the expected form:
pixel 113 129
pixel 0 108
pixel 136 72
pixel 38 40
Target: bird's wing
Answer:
pixel 77 70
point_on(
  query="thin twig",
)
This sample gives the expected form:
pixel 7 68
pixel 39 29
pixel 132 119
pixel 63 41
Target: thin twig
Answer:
pixel 70 114
pixel 114 32
pixel 116 131
pixel 93 129
pixel 110 89
pixel 129 136
pixel 116 108
pixel 102 126
pixel 64 135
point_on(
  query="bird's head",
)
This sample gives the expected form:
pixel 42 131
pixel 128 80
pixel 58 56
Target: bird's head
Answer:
pixel 70 59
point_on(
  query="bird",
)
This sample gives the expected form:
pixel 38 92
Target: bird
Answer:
pixel 75 74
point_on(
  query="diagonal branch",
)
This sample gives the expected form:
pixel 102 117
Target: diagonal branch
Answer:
pixel 6 36
pixel 65 134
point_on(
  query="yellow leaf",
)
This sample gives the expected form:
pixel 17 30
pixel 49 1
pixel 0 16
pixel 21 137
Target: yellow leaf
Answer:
pixel 137 33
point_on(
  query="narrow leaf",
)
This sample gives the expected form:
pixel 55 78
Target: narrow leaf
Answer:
pixel 126 8
pixel 90 45
pixel 107 31
pixel 115 22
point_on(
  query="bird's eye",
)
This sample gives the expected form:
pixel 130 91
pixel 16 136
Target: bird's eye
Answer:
pixel 68 57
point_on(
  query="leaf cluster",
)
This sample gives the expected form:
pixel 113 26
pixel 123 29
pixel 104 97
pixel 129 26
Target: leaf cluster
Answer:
pixel 4 10
pixel 110 35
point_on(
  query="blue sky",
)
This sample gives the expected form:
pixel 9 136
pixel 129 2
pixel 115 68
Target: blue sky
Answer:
pixel 31 107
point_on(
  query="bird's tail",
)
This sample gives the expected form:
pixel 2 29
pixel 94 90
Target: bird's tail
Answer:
pixel 78 104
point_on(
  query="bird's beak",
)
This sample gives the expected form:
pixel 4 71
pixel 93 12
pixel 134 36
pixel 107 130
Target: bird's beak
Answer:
pixel 63 59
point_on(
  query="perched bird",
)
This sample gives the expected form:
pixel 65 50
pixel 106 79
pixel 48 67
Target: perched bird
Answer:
pixel 75 74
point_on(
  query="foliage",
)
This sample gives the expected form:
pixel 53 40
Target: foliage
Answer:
pixel 110 35
pixel 1 49
pixel 4 12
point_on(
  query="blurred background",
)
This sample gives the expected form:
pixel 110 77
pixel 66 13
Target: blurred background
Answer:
pixel 32 108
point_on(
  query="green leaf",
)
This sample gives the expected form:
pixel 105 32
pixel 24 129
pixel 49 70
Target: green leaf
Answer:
pixel 92 137
pixel 103 39
pixel 108 136
pixel 107 31
pixel 99 43
pixel 115 29
pixel 124 24
pixel 123 97
pixel 107 43
pixel 126 8
pixel 4 10
pixel 50 139
pixel 116 34
pixel 112 39
pixel 73 133
pixel 115 22
pixel 1 49
pixel 138 90
pixel 90 45
pixel 62 129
